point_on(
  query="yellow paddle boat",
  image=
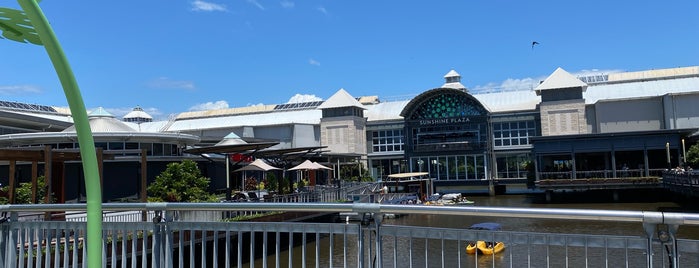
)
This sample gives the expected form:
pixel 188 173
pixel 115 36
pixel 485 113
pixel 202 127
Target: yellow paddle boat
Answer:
pixel 485 248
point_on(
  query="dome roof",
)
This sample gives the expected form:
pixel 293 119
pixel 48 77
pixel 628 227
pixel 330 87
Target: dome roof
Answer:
pixel 137 113
pixel 103 121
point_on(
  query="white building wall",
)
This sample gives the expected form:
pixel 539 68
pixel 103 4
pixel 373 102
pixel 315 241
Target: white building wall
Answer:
pixel 306 136
pixel 629 115
pixel 681 110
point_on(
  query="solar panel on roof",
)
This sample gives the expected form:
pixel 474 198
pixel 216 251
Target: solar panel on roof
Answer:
pixel 298 105
pixel 27 107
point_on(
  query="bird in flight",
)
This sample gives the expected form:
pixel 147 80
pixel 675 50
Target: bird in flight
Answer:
pixel 534 43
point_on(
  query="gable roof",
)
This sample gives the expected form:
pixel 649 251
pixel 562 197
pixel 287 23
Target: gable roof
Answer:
pixel 341 99
pixel 560 79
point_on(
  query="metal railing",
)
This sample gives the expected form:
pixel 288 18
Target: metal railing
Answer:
pixel 173 239
pixel 604 173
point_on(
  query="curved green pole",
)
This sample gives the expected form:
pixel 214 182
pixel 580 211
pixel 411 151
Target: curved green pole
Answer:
pixel 82 127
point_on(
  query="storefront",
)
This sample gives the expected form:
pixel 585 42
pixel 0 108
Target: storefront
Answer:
pixel 447 134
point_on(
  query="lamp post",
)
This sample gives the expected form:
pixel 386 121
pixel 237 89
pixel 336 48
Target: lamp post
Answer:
pixel 684 153
pixel 47 38
pixel 667 151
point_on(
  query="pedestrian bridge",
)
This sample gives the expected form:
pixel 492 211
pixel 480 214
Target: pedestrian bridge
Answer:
pixel 207 235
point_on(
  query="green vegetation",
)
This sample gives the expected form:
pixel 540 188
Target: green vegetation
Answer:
pixel 693 156
pixel 180 182
pixel 23 193
pixel 352 173
pixel 251 216
pixel 272 182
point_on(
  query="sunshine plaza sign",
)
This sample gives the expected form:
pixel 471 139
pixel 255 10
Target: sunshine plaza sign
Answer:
pixel 444 121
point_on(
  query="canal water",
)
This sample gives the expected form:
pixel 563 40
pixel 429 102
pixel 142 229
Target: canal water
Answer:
pixel 595 200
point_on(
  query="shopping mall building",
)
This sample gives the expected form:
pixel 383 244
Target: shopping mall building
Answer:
pixel 566 127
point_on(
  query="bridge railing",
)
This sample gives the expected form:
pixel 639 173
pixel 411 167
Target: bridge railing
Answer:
pixel 170 239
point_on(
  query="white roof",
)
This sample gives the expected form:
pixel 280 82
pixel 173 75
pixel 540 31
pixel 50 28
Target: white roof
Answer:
pixel 57 117
pixel 640 89
pixel 155 126
pixel 137 114
pixel 340 99
pixel 451 73
pixel 454 85
pixel 276 118
pixel 560 79
pixel 385 110
pixel 103 121
pixel 509 100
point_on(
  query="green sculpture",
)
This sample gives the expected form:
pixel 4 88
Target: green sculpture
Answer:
pixel 31 26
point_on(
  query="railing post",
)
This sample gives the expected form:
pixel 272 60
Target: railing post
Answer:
pixel 167 245
pixel 9 251
pixel 650 230
pixel 379 242
pixel 4 236
pixel 360 246
pixel 157 239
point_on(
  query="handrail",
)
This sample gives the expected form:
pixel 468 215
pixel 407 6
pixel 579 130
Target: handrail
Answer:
pixel 652 217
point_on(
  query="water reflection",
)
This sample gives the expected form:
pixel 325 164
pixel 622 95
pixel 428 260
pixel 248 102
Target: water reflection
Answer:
pixel 439 253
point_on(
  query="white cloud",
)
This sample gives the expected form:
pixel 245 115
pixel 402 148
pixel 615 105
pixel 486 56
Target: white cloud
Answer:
pixel 209 106
pixel 530 83
pixel 19 89
pixel 313 62
pixel 257 4
pixel 287 4
pixel 322 10
pixel 199 5
pixel 167 83
pixel 303 98
pixel 255 105
pixel 509 84
pixel 595 72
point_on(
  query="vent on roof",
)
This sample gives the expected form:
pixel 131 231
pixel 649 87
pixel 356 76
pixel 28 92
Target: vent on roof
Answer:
pixel 297 106
pixel 27 107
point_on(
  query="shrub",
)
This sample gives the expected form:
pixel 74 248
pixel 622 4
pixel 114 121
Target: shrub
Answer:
pixel 23 193
pixel 180 182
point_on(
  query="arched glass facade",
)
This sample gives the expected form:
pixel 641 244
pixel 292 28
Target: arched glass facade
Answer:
pixel 447 135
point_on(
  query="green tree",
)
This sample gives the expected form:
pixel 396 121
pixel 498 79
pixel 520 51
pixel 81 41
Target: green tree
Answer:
pixel 693 156
pixel 180 182
pixel 284 187
pixel 23 193
pixel 272 182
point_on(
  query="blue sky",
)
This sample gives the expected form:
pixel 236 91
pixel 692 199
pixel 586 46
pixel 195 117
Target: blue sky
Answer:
pixel 172 56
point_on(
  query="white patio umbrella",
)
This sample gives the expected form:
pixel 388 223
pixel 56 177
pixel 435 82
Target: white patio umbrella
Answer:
pixel 309 165
pixel 257 165
pixel 306 165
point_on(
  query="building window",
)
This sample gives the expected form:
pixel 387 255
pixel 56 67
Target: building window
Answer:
pixel 387 140
pixel 513 134
pixel 513 165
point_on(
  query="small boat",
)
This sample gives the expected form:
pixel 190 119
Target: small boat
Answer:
pixel 485 248
pixel 488 248
pixel 471 248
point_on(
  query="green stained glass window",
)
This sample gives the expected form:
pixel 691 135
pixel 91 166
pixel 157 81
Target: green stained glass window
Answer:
pixel 447 106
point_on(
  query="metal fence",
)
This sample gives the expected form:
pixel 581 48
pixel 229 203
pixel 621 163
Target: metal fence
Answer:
pixel 198 235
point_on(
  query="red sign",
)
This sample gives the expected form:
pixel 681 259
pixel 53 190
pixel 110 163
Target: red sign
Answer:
pixel 241 158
